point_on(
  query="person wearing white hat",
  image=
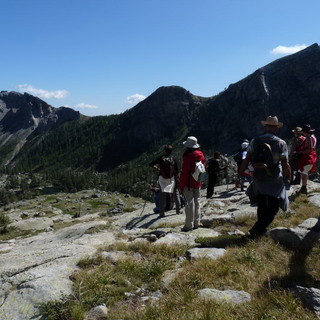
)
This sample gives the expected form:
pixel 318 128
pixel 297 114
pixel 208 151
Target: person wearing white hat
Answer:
pixel 188 185
pixel 239 157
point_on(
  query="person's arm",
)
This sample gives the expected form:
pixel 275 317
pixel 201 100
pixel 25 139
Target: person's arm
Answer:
pixel 155 164
pixel 286 170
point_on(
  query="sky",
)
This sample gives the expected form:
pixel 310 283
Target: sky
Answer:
pixel 102 57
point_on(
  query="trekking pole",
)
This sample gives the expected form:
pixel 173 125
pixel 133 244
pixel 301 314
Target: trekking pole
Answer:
pixel 144 205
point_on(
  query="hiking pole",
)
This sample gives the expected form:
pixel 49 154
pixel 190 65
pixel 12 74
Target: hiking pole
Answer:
pixel 144 205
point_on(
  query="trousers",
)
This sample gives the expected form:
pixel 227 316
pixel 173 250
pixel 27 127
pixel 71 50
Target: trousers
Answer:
pixel 267 209
pixel 192 207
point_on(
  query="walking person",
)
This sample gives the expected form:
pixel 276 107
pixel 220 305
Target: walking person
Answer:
pixel 168 168
pixel 308 155
pixel 269 157
pixel 294 155
pixel 238 158
pixel 188 185
pixel 214 167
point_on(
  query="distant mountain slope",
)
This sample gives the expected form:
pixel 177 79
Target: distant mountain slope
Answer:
pixel 23 116
pixel 288 87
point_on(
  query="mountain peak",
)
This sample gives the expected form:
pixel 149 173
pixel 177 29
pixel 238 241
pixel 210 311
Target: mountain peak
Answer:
pixel 23 115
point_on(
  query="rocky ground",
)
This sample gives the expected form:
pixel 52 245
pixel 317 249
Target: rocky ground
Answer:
pixel 50 234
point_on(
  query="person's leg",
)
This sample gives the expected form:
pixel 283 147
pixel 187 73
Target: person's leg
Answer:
pixel 304 178
pixel 196 196
pixel 210 186
pixel 267 209
pixel 189 208
pixel 242 180
pixel 176 199
pixel 162 203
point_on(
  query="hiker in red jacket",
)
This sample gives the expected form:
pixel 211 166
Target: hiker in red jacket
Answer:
pixel 189 186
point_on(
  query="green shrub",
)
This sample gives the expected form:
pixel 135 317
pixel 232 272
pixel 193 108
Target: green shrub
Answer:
pixel 4 221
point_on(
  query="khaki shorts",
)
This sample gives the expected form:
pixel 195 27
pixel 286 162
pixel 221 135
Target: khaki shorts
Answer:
pixel 306 169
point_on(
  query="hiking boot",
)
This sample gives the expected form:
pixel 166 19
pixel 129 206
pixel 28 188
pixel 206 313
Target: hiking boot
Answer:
pixel 179 212
pixel 185 229
pixel 303 190
pixel 161 215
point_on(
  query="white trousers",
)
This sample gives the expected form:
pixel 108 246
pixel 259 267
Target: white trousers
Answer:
pixel 192 207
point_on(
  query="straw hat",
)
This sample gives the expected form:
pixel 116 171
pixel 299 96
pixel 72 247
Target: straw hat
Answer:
pixel 272 121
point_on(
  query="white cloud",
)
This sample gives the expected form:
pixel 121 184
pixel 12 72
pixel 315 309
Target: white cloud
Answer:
pixel 288 50
pixel 135 98
pixel 83 105
pixel 58 94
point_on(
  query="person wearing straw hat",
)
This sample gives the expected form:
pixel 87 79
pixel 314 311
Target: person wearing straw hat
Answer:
pixel 188 185
pixel 308 155
pixel 268 190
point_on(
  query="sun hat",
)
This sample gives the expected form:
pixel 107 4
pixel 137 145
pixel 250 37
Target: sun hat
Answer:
pixel 307 128
pixel 244 145
pixel 297 129
pixel 272 121
pixel 191 142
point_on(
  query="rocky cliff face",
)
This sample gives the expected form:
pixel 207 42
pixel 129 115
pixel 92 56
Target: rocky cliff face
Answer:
pixel 288 88
pixel 165 116
pixel 23 115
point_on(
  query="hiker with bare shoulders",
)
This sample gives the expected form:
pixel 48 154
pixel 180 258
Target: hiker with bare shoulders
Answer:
pixel 308 155
pixel 268 155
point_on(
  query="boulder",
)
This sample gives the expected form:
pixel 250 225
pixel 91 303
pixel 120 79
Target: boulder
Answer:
pixel 97 313
pixel 310 296
pixel 212 220
pixel 209 253
pixel 41 223
pixel 300 237
pixel 224 296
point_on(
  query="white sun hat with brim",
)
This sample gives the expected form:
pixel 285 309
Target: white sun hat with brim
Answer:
pixel 191 142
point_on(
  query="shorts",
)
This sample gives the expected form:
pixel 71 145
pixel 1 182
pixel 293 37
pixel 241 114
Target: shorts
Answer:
pixel 306 169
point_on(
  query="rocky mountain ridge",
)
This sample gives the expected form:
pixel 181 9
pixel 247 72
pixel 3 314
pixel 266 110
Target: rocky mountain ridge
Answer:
pixel 288 87
pixel 23 116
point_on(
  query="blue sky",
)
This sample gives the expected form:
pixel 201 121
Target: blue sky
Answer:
pixel 103 56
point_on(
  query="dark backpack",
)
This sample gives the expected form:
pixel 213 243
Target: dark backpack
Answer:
pixel 262 160
pixel 238 158
pixel 167 167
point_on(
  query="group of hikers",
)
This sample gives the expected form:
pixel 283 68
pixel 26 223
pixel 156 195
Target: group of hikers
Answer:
pixel 264 162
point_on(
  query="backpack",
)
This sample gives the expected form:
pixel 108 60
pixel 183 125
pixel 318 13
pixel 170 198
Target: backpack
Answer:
pixel 199 173
pixel 167 167
pixel 262 160
pixel 238 158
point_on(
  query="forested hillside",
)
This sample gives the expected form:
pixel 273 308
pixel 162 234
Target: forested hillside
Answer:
pixel 113 151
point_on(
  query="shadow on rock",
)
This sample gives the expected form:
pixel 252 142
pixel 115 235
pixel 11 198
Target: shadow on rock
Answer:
pixel 224 241
pixel 298 274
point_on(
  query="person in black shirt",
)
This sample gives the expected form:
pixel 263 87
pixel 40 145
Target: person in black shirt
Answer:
pixel 168 178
